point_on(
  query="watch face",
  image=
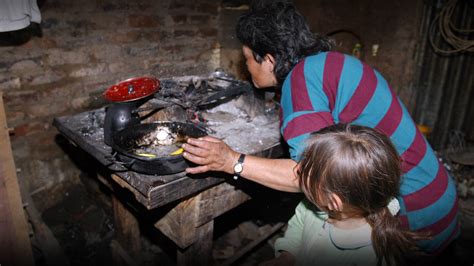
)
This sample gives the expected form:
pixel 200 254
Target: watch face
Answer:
pixel 238 168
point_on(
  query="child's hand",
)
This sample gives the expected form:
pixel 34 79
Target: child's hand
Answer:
pixel 285 259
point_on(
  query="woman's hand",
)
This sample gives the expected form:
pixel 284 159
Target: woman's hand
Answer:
pixel 212 154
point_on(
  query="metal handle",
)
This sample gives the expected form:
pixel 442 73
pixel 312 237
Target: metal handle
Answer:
pixel 114 161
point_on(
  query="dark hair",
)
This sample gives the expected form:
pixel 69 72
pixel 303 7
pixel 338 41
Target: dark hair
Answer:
pixel 277 28
pixel 362 167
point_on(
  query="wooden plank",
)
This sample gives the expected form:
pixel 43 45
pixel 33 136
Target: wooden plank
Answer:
pixel 186 185
pixel 178 189
pixel 241 252
pixel 127 230
pixel 200 252
pixel 219 200
pixel 119 253
pixel 181 222
pixel 15 245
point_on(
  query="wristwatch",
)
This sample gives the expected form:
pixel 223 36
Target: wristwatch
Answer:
pixel 239 166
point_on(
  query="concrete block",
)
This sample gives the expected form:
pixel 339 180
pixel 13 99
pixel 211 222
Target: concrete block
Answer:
pixel 46 77
pixel 60 57
pixel 89 71
pixel 10 83
pixel 24 65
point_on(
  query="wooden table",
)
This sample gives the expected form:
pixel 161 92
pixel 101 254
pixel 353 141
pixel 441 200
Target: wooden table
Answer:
pixel 189 203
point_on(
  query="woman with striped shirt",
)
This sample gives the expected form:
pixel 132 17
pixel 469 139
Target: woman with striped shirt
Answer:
pixel 320 88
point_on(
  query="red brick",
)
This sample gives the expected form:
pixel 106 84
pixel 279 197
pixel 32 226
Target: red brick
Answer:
pixel 210 8
pixel 142 21
pixel 179 19
pixel 124 37
pixel 47 43
pixel 155 36
pixel 178 4
pixel 14 118
pixel 185 33
pixel 200 19
pixel 28 129
pixel 208 32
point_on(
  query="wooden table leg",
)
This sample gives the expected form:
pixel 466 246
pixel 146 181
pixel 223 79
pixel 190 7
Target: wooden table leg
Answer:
pixel 127 233
pixel 200 252
pixel 190 224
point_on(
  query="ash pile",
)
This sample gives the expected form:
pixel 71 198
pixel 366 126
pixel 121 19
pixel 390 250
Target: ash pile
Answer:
pixel 227 107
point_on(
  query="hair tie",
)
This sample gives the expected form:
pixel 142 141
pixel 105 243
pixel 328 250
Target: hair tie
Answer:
pixel 393 206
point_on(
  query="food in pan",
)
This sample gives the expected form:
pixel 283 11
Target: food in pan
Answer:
pixel 160 143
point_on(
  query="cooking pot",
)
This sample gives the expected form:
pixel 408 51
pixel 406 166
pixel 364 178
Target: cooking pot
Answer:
pixel 129 143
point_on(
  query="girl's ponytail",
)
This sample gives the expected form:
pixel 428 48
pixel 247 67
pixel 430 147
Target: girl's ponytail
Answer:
pixel 392 244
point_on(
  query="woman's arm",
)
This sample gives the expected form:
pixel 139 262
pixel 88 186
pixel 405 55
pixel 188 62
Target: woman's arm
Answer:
pixel 274 173
pixel 212 154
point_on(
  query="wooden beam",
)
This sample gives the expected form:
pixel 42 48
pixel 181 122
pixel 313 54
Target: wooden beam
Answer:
pixel 218 200
pixel 181 222
pixel 265 235
pixel 15 245
pixel 127 231
pixel 200 252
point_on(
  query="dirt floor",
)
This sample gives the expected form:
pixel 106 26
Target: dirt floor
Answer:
pixel 83 224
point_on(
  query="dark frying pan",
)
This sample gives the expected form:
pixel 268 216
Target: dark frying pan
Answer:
pixel 127 141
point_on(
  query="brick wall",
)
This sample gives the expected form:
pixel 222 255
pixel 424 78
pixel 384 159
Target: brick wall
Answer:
pixel 393 25
pixel 88 45
pixel 85 47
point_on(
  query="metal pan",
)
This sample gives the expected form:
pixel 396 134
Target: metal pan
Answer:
pixel 129 142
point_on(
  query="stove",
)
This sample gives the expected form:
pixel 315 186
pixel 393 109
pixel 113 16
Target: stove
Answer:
pixel 243 121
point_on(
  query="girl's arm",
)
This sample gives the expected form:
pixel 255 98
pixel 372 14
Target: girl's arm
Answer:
pixel 292 240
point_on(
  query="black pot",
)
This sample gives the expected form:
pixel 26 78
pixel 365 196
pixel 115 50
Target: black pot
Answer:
pixel 120 115
pixel 125 143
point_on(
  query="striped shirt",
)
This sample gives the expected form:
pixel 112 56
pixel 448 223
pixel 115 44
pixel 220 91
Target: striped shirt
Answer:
pixel 330 88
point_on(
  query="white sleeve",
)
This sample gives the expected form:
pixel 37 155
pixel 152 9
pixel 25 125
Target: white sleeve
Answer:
pixel 18 14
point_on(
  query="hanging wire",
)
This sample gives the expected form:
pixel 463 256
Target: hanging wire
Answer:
pixel 456 141
pixel 449 32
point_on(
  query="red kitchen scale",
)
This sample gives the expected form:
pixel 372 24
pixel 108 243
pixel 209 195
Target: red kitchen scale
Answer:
pixel 126 96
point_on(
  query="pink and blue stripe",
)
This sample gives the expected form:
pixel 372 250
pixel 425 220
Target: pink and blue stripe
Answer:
pixel 333 88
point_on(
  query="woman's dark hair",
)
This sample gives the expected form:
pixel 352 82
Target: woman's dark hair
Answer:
pixel 362 167
pixel 277 28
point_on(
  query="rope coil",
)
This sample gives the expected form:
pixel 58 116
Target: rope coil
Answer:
pixel 457 38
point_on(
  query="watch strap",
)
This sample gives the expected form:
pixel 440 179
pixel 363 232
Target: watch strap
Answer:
pixel 239 161
pixel 241 158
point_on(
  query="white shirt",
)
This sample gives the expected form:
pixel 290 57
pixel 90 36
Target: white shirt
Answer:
pixel 313 241
pixel 18 14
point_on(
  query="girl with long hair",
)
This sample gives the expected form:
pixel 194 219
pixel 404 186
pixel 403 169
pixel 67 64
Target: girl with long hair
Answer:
pixel 351 177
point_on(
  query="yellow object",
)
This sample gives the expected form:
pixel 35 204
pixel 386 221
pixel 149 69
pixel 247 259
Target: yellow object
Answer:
pixel 426 130
pixel 357 50
pixel 177 152
pixel 148 155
